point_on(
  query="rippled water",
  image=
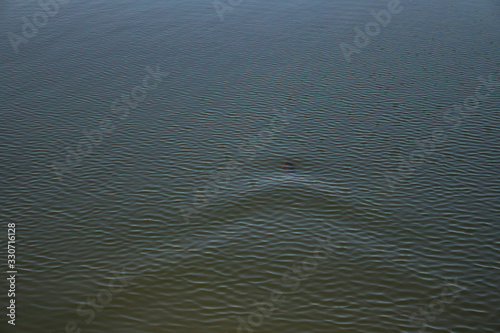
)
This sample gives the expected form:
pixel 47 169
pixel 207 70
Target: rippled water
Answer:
pixel 178 218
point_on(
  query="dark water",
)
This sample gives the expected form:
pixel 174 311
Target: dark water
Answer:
pixel 141 153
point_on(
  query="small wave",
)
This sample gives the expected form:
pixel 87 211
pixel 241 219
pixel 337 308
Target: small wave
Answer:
pixel 297 181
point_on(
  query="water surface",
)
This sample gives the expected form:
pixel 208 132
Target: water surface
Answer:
pixel 356 241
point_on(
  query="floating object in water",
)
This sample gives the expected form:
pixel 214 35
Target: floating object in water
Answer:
pixel 288 167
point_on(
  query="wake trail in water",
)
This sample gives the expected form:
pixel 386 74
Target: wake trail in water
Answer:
pixel 295 180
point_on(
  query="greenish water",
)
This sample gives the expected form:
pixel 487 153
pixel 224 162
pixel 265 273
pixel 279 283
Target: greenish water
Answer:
pixel 142 146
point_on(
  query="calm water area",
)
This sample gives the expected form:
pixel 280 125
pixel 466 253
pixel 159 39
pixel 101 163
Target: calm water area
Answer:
pixel 142 145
